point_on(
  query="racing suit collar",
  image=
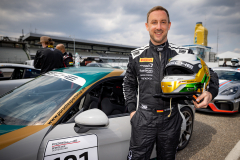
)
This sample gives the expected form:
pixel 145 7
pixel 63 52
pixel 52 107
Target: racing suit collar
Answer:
pixel 159 48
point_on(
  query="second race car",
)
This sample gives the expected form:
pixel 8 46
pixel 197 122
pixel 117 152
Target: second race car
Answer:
pixel 227 100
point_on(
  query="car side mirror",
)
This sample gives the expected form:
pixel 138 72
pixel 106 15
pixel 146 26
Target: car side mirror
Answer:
pixel 93 118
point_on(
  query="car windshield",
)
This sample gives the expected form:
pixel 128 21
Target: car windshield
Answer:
pixel 228 75
pixel 36 101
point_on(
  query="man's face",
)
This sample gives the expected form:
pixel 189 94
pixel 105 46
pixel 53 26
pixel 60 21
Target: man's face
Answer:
pixel 158 27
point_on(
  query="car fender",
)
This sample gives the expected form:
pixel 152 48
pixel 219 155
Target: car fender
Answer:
pixel 23 143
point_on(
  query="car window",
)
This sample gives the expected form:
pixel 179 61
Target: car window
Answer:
pixel 31 73
pixel 228 75
pixel 17 73
pixel 7 72
pixel 36 101
pixel 106 96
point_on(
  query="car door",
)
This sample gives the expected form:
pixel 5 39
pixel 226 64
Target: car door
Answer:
pixel 103 143
pixel 100 142
pixel 111 142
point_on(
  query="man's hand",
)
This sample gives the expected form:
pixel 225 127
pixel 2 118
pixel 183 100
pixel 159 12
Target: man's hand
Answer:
pixel 206 96
pixel 131 114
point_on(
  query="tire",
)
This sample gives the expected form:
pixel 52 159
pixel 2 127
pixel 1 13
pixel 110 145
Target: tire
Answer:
pixel 187 134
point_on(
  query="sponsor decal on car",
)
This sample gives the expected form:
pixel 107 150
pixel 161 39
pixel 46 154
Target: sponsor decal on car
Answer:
pixel 84 147
pixel 224 83
pixel 69 77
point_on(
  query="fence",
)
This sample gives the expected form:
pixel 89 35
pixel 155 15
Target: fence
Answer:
pixel 13 60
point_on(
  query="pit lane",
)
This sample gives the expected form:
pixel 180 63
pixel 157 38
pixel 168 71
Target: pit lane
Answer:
pixel 214 136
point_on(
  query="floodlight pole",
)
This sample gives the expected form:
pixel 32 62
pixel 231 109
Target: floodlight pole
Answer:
pixel 73 43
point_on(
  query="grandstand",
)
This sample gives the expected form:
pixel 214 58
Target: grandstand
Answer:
pixel 12 50
pixel 108 52
pixel 18 50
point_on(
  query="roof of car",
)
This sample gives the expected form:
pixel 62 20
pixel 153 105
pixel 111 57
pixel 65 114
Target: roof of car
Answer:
pixel 3 65
pixel 92 74
pixel 227 68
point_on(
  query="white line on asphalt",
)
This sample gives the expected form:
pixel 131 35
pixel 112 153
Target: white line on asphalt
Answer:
pixel 234 153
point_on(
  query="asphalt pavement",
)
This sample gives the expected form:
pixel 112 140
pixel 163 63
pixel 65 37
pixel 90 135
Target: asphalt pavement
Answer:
pixel 215 137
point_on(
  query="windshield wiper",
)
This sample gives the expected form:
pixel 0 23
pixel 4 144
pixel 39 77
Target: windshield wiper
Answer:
pixel 2 121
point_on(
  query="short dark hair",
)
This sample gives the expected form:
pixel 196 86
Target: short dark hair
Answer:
pixel 156 8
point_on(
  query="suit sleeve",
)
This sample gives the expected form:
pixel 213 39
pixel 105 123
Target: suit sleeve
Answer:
pixel 213 84
pixel 37 60
pixel 130 86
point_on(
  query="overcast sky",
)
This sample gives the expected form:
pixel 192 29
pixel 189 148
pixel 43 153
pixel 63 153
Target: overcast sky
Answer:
pixel 123 21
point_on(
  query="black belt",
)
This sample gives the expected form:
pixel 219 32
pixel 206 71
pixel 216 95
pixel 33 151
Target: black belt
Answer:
pixel 155 110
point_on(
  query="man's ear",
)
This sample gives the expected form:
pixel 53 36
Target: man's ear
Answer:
pixel 146 25
pixel 169 25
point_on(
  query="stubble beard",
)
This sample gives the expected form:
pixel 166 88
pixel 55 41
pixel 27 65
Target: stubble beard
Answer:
pixel 158 42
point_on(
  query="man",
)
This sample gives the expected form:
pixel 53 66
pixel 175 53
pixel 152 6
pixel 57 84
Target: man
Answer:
pixel 67 57
pixel 47 58
pixel 144 75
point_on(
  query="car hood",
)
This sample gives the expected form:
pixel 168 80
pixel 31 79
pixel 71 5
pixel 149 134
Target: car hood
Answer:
pixel 23 140
pixel 223 84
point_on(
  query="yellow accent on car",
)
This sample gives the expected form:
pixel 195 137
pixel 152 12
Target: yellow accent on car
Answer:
pixel 17 135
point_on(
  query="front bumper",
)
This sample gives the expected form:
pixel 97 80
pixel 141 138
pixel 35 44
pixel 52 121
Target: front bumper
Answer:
pixel 221 106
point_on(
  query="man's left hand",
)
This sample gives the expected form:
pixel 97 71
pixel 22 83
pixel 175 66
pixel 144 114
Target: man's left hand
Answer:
pixel 206 96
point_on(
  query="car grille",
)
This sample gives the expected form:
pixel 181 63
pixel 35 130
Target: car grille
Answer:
pixel 224 105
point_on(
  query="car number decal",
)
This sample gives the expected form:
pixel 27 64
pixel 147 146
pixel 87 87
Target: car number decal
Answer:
pixel 69 77
pixel 74 148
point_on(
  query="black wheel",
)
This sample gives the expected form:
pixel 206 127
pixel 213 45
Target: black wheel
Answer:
pixel 186 135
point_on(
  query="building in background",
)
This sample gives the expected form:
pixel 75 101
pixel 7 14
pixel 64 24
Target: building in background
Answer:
pixel 19 50
pixel 13 50
pixel 88 50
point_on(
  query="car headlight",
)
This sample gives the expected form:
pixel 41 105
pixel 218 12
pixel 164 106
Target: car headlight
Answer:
pixel 230 91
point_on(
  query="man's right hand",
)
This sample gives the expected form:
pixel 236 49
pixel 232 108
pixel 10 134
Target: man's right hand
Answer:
pixel 131 114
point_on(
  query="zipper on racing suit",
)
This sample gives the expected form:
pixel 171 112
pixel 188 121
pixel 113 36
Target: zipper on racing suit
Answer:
pixel 161 75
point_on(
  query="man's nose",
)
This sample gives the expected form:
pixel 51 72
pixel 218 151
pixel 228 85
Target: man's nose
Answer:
pixel 159 25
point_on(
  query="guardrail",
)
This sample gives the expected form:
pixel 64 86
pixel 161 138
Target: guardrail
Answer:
pixel 8 60
pixel 10 38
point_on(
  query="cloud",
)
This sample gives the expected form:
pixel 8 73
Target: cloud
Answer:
pixel 237 50
pixel 55 34
pixel 122 22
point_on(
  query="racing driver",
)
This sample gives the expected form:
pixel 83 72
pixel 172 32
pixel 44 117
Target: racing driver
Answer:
pixel 151 123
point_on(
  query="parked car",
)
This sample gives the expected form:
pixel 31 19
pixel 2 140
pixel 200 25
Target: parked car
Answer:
pixel 99 65
pixel 14 75
pixel 120 67
pixel 72 113
pixel 227 100
pixel 1 73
